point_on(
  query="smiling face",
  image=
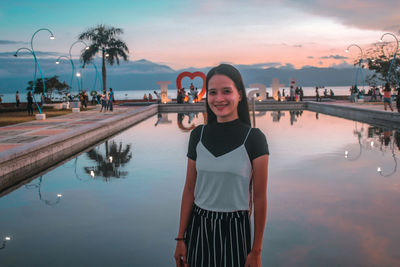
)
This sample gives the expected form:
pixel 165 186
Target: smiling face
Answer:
pixel 223 98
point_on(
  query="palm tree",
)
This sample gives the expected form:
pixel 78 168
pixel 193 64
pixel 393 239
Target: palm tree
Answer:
pixel 104 39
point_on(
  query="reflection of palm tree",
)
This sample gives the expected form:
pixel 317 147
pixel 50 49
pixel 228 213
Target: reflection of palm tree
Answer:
pixel 109 165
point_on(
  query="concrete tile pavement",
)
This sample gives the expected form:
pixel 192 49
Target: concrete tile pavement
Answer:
pixel 17 135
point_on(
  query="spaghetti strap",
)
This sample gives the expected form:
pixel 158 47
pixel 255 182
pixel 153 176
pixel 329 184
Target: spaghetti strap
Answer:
pixel 247 136
pixel 201 135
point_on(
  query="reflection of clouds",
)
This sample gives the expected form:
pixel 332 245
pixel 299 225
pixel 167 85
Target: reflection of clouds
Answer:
pixel 341 207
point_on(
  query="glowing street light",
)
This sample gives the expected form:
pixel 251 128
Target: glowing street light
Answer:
pixel 37 65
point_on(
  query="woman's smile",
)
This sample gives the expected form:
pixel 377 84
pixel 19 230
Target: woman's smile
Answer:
pixel 223 98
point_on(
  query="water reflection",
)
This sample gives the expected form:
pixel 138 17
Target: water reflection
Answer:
pixel 276 115
pixel 109 165
pixel 38 185
pixel 5 240
pixel 191 116
pixel 162 118
pixel 376 138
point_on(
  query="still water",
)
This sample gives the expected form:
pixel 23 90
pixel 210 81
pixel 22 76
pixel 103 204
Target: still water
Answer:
pixel 333 196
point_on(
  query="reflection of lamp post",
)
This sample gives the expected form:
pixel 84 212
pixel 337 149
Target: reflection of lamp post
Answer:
pixel 358 134
pixel 359 63
pixel 5 240
pixel 379 169
pixel 39 185
pixel 394 56
pixel 34 77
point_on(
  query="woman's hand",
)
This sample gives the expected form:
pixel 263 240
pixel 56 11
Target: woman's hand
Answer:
pixel 180 254
pixel 253 259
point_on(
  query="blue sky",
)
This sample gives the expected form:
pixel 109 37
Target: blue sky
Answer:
pixel 184 33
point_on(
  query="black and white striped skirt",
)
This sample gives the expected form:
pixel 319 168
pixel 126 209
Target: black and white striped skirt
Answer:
pixel 218 238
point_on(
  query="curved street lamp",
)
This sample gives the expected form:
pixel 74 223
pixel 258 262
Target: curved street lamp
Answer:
pixel 37 65
pixel 72 63
pixel 34 77
pixel 359 63
pixel 394 56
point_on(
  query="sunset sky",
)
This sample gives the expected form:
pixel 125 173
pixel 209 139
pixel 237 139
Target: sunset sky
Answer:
pixel 186 33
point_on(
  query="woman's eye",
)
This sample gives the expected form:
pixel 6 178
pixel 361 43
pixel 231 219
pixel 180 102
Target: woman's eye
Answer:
pixel 227 91
pixel 211 92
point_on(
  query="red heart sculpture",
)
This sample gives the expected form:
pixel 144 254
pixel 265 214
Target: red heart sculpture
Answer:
pixel 192 76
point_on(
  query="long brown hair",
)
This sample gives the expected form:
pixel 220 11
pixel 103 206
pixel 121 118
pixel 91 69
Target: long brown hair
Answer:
pixel 232 73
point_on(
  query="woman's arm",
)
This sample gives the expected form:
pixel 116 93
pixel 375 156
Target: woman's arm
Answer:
pixel 260 178
pixel 186 209
pixel 187 196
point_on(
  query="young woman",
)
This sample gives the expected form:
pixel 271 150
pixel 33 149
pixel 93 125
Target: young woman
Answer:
pixel 387 97
pixel 226 172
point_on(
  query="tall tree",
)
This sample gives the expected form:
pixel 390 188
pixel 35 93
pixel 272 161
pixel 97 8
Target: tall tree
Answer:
pixel 379 59
pixel 52 84
pixel 104 40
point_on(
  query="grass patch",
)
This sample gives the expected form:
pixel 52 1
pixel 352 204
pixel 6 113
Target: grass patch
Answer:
pixel 13 117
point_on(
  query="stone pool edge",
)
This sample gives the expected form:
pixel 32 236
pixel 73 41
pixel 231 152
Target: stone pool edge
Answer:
pixel 22 162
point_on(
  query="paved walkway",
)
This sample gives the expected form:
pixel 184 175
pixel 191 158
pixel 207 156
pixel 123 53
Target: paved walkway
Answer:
pixel 366 105
pixel 28 132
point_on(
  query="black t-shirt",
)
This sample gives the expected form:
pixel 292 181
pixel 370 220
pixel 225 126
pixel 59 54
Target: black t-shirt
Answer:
pixel 221 138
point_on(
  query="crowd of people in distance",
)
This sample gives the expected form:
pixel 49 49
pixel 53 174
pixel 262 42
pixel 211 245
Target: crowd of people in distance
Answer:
pixel 384 94
pixel 189 97
pixel 295 94
pixel 106 100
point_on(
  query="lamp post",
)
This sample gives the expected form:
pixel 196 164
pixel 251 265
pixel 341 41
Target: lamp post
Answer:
pixel 37 65
pixel 394 57
pixel 72 62
pixel 34 77
pixel 359 63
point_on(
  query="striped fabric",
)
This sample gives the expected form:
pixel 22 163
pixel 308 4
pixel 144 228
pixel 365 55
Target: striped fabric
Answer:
pixel 218 239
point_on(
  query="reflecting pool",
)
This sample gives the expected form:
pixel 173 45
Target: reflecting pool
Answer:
pixel 333 195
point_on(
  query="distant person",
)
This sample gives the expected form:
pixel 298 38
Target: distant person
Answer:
pixel 373 94
pixel 29 105
pixel 292 92
pixel 387 97
pixel 398 99
pixel 279 95
pixel 110 99
pixel 158 97
pixel 85 99
pixel 317 97
pixel 326 93
pixel 17 100
pixel 42 99
pixel 283 92
pixel 180 97
pixel 297 93
pixel 331 93
pixel 103 101
pixel 150 97
pixel 145 97
pixel 301 93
